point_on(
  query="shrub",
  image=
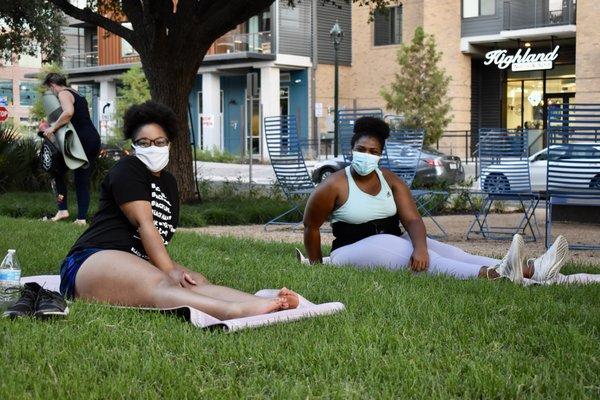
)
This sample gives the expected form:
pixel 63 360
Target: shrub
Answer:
pixel 216 155
pixel 100 169
pixel 222 216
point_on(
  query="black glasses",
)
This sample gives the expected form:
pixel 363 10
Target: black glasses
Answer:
pixel 158 142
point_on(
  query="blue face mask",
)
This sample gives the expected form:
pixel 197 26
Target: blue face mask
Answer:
pixel 364 163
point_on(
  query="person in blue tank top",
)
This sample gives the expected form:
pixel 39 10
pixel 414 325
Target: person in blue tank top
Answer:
pixel 367 204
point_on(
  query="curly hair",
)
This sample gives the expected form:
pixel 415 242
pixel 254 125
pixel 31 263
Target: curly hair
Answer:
pixel 372 127
pixel 146 113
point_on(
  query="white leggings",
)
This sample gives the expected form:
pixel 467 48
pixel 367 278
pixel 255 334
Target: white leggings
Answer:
pixel 394 252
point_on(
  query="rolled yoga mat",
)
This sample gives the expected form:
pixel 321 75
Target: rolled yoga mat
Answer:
pixel 66 137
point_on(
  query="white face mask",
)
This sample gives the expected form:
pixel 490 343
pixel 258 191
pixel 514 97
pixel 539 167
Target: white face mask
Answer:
pixel 364 163
pixel 155 158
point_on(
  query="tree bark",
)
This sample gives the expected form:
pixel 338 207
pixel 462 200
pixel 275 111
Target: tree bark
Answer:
pixel 171 86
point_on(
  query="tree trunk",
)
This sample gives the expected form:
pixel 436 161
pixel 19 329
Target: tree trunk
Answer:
pixel 172 89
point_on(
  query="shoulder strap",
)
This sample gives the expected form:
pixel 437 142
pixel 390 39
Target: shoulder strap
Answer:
pixel 72 91
pixel 382 179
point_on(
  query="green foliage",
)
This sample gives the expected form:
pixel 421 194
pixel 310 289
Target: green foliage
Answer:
pixel 134 90
pixel 419 91
pixel 8 138
pixel 20 169
pixel 29 26
pixel 402 335
pixel 216 155
pixel 224 205
pixel 19 163
pixel 37 113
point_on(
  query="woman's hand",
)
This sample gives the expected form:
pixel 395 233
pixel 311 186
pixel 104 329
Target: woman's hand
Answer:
pixel 182 277
pixel 48 132
pixel 419 260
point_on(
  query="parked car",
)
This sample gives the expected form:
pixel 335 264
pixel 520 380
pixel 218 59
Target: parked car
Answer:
pixel 116 152
pixel 433 167
pixel 495 177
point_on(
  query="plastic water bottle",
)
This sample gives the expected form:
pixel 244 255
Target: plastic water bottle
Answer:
pixel 10 277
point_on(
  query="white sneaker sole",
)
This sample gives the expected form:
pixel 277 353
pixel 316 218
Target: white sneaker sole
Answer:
pixel 42 314
pixel 562 251
pixel 517 259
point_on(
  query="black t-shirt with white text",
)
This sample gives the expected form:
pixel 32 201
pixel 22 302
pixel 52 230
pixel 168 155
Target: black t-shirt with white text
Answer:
pixel 129 180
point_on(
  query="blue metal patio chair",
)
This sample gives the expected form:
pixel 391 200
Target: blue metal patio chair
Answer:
pixel 573 174
pixel 504 175
pixel 402 154
pixel 346 120
pixel 288 164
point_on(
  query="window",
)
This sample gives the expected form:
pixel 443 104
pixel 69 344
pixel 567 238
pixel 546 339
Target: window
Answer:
pixel 388 26
pixel 127 50
pixel 478 8
pixel 27 93
pixel 6 91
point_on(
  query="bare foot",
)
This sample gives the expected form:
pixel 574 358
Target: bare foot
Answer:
pixel 290 296
pixel 60 215
pixel 256 307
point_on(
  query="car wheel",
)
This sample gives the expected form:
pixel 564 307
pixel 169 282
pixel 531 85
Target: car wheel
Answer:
pixel 496 183
pixel 324 174
pixel 595 183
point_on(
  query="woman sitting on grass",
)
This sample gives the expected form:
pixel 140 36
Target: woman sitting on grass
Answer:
pixel 121 258
pixel 367 204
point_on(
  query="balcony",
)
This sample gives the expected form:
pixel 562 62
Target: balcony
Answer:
pixel 81 60
pixel 232 42
pixel 527 14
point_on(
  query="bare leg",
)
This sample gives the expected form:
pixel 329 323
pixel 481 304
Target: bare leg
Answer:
pixel 204 287
pixel 222 292
pixel 123 279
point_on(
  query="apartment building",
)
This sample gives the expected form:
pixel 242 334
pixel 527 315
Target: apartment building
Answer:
pixel 508 60
pixel 17 91
pixel 263 67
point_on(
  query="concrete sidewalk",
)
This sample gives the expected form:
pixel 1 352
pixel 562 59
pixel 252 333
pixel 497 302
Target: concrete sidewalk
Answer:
pixel 262 174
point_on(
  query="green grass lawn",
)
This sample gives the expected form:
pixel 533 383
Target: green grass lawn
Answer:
pixel 402 336
pixel 221 209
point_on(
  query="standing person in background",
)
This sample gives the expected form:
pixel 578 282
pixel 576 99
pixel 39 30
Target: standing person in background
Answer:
pixel 75 110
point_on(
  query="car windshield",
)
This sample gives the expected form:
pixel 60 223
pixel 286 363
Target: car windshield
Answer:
pixel 565 152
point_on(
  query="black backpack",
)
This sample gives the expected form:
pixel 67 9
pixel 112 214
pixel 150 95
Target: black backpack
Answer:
pixel 49 157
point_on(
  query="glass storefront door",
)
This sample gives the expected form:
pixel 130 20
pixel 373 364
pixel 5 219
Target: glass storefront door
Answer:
pixel 528 95
pixel 252 135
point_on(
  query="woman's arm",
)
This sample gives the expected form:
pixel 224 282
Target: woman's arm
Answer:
pixel 411 220
pixel 320 204
pixel 66 103
pixel 139 214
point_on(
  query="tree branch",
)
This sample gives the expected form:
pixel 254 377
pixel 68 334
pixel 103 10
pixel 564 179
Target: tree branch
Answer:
pixel 220 14
pixel 133 10
pixel 87 15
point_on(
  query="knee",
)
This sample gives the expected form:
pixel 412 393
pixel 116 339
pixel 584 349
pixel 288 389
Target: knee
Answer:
pixel 200 280
pixel 163 281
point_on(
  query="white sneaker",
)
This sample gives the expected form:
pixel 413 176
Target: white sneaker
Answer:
pixel 511 266
pixel 548 265
pixel 300 257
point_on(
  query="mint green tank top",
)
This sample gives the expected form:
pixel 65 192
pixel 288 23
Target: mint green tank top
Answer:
pixel 362 207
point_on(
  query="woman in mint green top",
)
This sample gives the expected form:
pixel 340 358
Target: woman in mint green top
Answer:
pixel 366 205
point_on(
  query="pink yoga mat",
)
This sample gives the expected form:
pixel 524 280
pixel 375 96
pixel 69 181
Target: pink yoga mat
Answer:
pixel 306 309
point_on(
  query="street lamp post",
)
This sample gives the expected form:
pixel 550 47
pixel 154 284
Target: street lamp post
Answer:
pixel 336 35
